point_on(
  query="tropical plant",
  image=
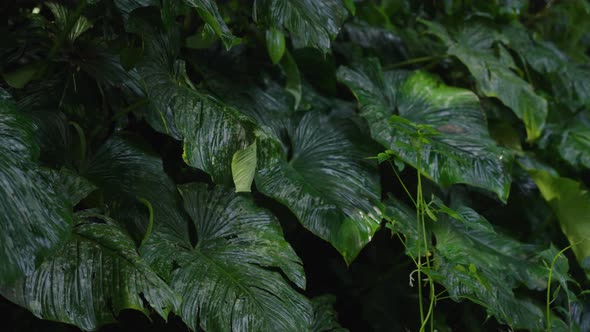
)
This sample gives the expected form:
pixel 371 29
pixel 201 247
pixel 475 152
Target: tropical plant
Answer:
pixel 295 165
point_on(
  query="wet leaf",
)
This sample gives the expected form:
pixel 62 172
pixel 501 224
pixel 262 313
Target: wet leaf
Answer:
pixel 36 217
pixel 455 147
pixel 473 45
pixel 92 278
pixel 311 23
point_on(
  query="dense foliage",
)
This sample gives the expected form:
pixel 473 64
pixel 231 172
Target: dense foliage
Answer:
pixel 295 165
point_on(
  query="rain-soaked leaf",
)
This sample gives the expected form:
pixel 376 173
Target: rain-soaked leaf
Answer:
pixel 311 23
pixel 36 217
pixel 233 278
pixel 130 175
pixel 325 180
pixel 91 278
pixel 456 146
pixel 209 12
pixel 473 45
pixel 211 131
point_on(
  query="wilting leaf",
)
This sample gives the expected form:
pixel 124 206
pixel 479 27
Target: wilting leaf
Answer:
pixel 92 278
pixel 459 148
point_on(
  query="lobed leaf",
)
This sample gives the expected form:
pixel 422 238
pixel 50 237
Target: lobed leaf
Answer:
pixel 92 278
pixel 228 281
pixel 127 172
pixel 315 163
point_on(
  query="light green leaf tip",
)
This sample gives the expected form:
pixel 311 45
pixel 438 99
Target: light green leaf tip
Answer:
pixel 243 168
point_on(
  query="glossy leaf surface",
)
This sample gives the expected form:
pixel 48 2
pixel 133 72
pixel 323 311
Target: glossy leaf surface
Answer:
pixel 472 45
pixel 312 23
pixel 127 172
pixel 92 278
pixel 36 218
pixel 325 182
pixel 209 12
pixel 458 147
pixel 211 131
pixel 227 280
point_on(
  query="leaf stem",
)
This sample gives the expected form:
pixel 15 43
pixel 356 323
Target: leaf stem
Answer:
pixel 548 295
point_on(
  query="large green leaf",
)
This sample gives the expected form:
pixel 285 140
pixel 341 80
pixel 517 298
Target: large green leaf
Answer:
pixel 473 44
pixel 231 279
pixel 212 132
pixel 460 151
pixel 314 164
pixel 312 23
pixel 324 179
pixel 571 204
pixel 236 243
pixel 128 172
pixel 36 217
pixel 92 278
pixel 474 262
